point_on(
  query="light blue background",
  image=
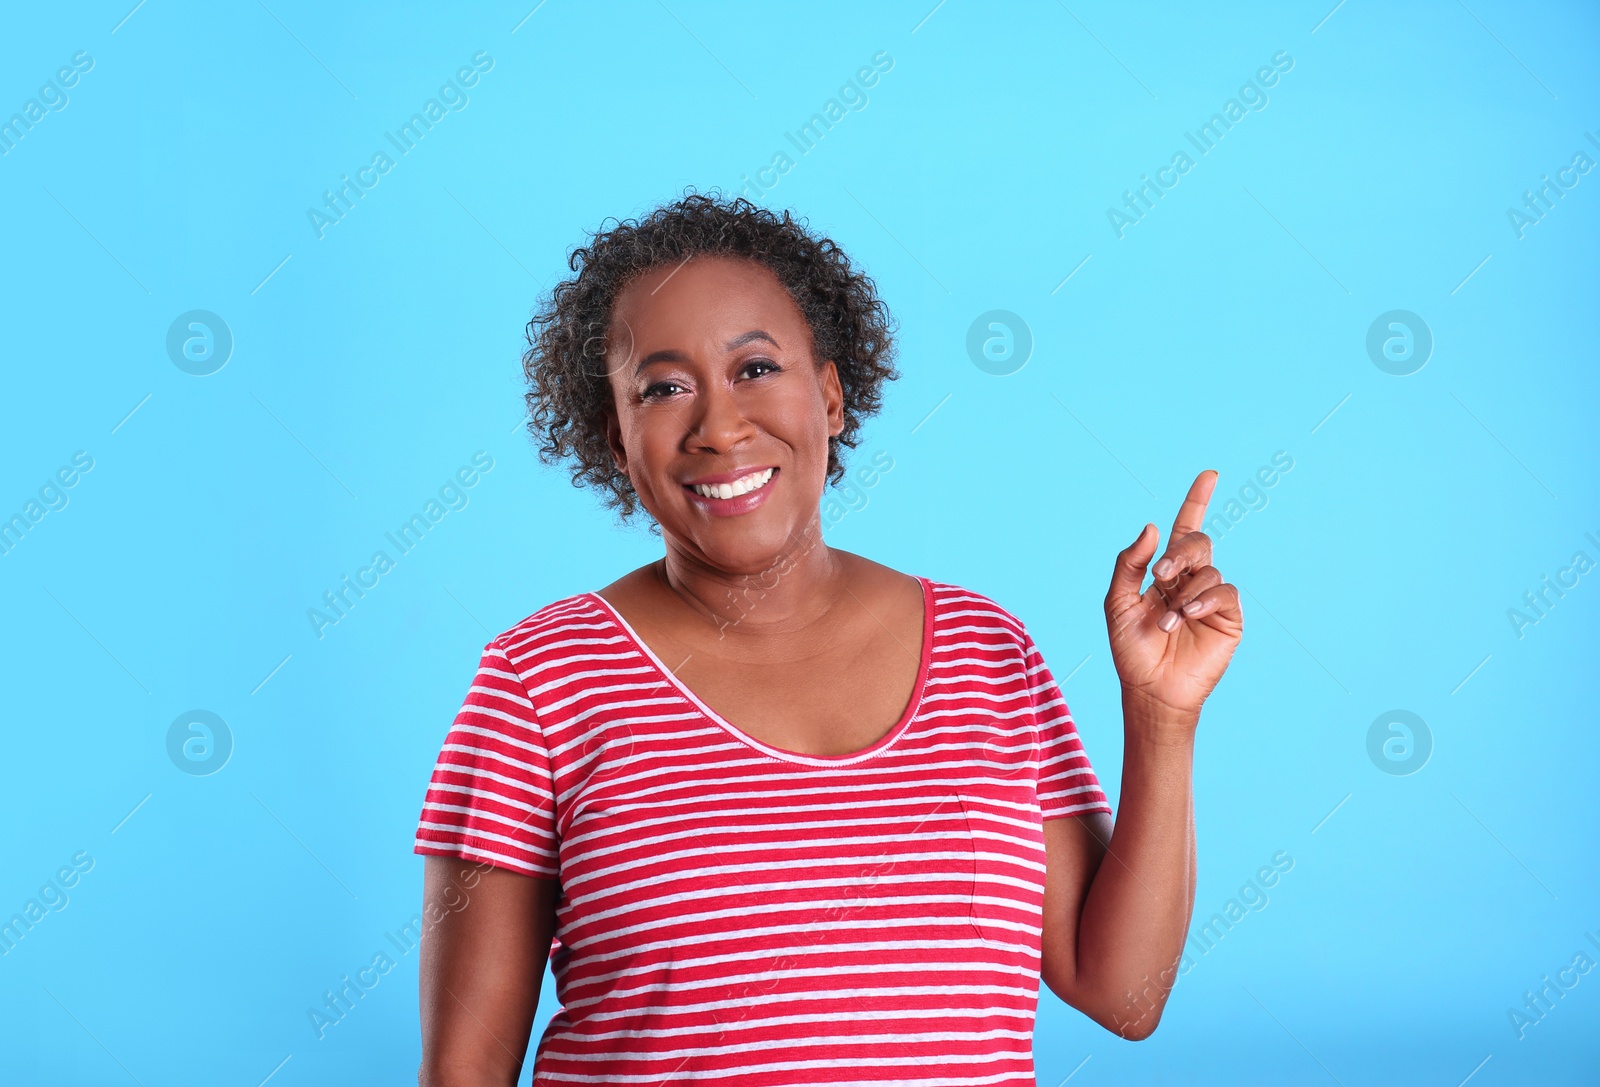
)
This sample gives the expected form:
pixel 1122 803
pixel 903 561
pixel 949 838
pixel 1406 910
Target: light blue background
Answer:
pixel 1224 327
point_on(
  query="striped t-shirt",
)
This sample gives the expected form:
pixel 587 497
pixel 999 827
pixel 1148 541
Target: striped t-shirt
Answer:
pixel 734 913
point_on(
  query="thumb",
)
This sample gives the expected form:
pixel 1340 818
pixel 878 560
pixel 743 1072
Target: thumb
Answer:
pixel 1127 578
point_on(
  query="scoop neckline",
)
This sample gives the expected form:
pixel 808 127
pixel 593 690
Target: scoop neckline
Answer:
pixel 888 740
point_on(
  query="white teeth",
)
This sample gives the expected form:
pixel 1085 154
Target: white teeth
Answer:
pixel 752 482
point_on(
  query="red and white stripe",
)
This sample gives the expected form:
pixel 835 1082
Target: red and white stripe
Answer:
pixel 734 913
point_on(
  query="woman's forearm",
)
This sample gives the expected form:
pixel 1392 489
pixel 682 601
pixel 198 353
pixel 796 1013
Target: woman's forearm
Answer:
pixel 1136 915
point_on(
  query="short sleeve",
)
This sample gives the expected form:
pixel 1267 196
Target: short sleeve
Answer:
pixel 1067 783
pixel 492 794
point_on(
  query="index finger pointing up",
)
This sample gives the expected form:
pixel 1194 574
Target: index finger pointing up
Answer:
pixel 1192 514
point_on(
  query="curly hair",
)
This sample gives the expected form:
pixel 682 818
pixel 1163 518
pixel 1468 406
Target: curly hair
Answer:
pixel 569 394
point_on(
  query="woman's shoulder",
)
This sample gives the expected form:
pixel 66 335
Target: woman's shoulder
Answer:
pixel 557 621
pixel 957 602
pixel 953 603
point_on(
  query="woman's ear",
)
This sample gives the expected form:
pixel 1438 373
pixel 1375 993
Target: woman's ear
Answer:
pixel 833 398
pixel 614 440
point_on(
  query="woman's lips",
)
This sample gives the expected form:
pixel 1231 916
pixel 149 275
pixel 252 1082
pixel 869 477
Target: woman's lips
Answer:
pixel 738 504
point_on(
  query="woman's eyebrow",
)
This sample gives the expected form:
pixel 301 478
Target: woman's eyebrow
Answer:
pixel 667 355
pixel 673 355
pixel 749 337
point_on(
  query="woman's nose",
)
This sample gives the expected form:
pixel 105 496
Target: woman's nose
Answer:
pixel 718 422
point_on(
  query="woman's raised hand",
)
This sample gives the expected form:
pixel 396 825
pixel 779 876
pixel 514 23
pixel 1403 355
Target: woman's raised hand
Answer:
pixel 1172 642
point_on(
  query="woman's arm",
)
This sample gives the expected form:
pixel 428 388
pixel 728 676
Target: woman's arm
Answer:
pixel 1118 899
pixel 485 941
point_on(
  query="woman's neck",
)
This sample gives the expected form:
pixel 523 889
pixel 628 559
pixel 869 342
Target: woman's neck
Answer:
pixel 794 592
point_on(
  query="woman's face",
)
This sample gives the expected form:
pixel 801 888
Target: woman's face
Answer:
pixel 714 381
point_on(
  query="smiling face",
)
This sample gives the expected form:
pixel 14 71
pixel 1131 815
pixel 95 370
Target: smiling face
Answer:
pixel 714 383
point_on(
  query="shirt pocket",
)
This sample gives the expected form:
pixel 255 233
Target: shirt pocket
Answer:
pixel 1006 839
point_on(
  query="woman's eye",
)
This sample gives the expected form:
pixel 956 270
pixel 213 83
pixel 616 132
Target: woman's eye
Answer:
pixel 662 389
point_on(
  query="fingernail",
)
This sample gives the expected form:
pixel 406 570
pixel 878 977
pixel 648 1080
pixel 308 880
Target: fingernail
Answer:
pixel 1163 568
pixel 1168 621
pixel 1192 606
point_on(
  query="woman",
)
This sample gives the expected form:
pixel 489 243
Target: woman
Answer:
pixel 773 812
